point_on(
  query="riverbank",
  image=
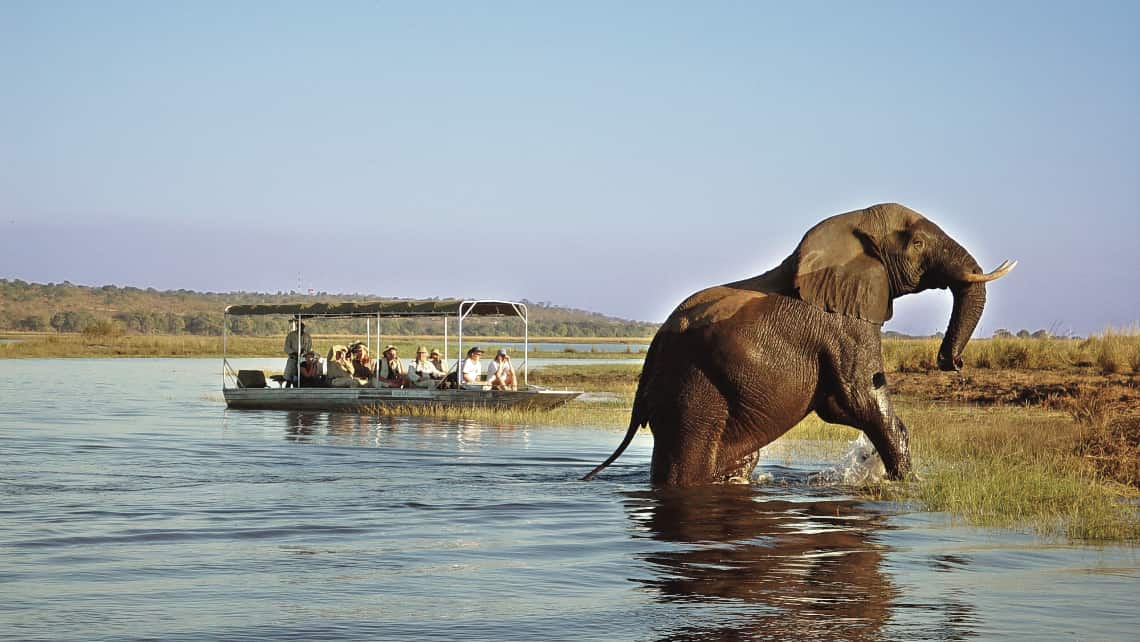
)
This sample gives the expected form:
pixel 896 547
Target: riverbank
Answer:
pixel 989 448
pixel 29 345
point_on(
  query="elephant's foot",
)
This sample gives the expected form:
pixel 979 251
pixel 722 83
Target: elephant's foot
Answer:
pixel 740 472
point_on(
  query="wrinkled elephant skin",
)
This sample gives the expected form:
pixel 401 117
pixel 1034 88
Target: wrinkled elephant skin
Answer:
pixel 737 365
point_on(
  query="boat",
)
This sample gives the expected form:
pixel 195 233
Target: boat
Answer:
pixel 250 389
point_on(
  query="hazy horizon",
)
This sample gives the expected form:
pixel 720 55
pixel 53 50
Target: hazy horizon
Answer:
pixel 606 158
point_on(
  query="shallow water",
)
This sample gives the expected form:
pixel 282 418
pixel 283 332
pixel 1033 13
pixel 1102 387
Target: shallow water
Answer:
pixel 136 507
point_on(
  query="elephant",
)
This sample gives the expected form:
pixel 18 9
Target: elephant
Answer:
pixel 737 365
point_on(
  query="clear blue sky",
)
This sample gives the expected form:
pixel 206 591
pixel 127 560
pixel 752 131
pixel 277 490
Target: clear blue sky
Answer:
pixel 608 156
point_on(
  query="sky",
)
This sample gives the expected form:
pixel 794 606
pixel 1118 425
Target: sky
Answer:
pixel 614 157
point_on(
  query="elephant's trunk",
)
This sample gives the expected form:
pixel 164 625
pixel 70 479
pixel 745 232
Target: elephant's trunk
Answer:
pixel 969 300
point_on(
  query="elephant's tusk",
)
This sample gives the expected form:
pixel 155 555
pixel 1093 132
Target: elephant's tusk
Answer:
pixel 999 272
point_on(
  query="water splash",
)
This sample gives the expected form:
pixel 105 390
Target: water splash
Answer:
pixel 860 465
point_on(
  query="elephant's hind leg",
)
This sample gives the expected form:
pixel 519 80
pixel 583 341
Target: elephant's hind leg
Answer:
pixel 688 433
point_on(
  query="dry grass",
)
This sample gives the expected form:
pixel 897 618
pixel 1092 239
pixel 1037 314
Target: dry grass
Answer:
pixel 620 380
pixel 607 414
pixel 1112 352
pixel 1109 433
pixel 1015 468
pixel 108 339
pixel 589 377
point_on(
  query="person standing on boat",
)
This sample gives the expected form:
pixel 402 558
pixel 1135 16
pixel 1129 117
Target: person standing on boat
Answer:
pixel 422 372
pixel 472 369
pixel 296 343
pixel 501 373
pixel 393 372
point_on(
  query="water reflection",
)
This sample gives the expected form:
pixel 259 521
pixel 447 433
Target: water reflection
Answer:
pixel 313 425
pixel 463 435
pixel 300 425
pixel 781 568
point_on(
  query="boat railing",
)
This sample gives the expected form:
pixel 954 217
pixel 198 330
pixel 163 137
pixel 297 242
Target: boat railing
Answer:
pixel 374 311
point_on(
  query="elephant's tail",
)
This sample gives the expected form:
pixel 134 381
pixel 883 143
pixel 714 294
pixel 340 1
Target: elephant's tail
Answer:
pixel 641 406
pixel 634 424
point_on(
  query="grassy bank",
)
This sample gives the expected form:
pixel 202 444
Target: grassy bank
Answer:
pixel 1017 468
pixel 112 344
pixel 1111 352
pixel 1071 469
pixel 998 467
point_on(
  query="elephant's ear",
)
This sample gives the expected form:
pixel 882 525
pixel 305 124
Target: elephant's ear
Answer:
pixel 838 269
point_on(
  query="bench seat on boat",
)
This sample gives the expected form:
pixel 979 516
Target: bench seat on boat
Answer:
pixel 251 379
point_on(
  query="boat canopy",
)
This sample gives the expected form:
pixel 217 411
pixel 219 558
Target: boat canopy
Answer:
pixel 388 308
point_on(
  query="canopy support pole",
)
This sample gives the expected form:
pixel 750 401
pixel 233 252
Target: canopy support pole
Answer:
pixel 225 326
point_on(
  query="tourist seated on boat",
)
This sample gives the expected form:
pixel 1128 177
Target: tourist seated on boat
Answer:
pixel 501 373
pixel 312 374
pixel 363 366
pixel 472 369
pixel 393 372
pixel 338 371
pixel 423 373
pixel 437 360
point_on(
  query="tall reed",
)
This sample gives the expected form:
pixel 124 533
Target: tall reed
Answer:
pixel 1013 467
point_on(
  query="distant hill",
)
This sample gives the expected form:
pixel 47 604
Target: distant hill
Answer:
pixel 65 307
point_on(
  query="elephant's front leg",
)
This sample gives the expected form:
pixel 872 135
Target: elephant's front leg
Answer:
pixel 860 400
pixel 740 471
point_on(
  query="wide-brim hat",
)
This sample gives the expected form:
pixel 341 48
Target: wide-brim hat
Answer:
pixel 434 352
pixel 389 347
pixel 475 350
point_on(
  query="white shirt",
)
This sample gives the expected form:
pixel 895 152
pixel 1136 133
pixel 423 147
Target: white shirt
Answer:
pixel 493 368
pixel 472 369
pixel 420 371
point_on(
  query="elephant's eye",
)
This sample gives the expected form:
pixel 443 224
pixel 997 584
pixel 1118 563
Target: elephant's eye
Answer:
pixel 919 244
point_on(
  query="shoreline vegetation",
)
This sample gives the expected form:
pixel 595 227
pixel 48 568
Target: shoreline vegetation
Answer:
pixel 1037 435
pixel 1062 464
pixel 23 345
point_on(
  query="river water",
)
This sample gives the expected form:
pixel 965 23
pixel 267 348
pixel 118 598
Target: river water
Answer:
pixel 135 506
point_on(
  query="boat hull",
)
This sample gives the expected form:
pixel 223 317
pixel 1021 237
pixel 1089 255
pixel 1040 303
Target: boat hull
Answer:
pixel 391 399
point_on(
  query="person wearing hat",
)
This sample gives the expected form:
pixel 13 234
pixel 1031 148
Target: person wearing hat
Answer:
pixel 297 342
pixel 311 375
pixel 437 359
pixel 472 369
pixel 362 365
pixel 393 373
pixel 339 369
pixel 501 373
pixel 423 373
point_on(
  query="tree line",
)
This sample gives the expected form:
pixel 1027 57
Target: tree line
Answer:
pixel 66 307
